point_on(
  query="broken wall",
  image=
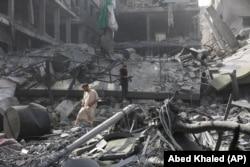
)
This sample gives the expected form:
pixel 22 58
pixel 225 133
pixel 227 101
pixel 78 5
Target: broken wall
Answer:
pixel 4 7
pixel 89 13
pixel 133 26
pixel 235 13
pixel 47 22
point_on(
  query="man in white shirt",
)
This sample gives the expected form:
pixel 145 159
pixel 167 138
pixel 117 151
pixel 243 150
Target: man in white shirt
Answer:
pixel 89 103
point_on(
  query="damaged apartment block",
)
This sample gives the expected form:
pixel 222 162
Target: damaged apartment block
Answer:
pixel 187 73
pixel 32 23
pixel 158 27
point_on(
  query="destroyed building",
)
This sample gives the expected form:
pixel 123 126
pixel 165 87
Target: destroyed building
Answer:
pixel 34 23
pixel 237 18
pixel 158 27
pixel 188 89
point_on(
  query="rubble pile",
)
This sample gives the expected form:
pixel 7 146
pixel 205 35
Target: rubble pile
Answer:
pixel 149 3
pixel 142 141
pixel 135 133
pixel 187 99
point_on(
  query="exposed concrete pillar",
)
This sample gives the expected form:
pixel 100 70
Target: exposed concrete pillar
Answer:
pixel 29 43
pixel 42 16
pixel 197 26
pixel 235 86
pixel 223 28
pixel 57 24
pixel 215 32
pixel 68 30
pixel 110 39
pixel 118 4
pixel 148 50
pixel 11 13
pixel 31 19
pixel 81 34
pixel 11 7
pixel 81 10
pixel 148 27
pixel 31 12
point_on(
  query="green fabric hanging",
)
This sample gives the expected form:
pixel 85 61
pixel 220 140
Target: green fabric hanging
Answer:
pixel 103 17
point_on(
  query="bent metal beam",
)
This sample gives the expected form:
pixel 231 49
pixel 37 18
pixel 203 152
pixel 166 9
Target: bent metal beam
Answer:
pixel 111 121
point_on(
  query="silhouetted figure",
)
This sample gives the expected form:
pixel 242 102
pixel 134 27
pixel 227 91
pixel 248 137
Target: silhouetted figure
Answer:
pixel 234 144
pixel 124 80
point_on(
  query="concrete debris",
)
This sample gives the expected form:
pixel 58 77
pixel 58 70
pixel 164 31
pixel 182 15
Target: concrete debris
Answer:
pixel 178 101
pixel 10 143
pixel 2 53
pixel 4 105
pixel 144 130
pixel 65 108
pixel 147 3
pixel 174 41
pixel 241 103
pixel 128 133
pixel 128 52
pixel 18 80
pixel 7 88
pixel 243 34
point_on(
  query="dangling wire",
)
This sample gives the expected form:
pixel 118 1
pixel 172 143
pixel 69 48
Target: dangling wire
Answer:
pixel 167 129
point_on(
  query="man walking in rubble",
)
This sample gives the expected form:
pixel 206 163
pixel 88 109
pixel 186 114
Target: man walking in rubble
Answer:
pixel 89 104
pixel 123 73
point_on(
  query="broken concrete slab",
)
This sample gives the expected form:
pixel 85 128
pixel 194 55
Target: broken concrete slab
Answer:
pixel 192 74
pixel 222 28
pixel 213 69
pixel 60 62
pixel 8 102
pixel 65 108
pixel 120 148
pixel 193 69
pixel 221 81
pixel 136 57
pixel 206 101
pixel 241 103
pixel 154 78
pixel 239 59
pixel 145 74
pixel 186 89
pixel 127 53
pixel 18 80
pixel 4 105
pixel 7 88
pixel 2 53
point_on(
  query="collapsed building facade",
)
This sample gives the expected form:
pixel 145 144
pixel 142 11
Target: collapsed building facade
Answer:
pixel 181 98
pixel 158 27
pixel 237 18
pixel 32 24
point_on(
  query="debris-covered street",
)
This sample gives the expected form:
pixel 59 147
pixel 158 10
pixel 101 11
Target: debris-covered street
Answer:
pixel 117 83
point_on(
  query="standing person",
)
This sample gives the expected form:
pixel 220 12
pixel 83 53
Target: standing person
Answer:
pixel 89 103
pixel 124 80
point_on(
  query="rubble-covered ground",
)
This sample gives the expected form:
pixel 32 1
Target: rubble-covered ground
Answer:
pixel 151 140
pixel 132 133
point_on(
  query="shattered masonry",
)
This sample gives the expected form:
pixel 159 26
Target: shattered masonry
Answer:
pixel 188 90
